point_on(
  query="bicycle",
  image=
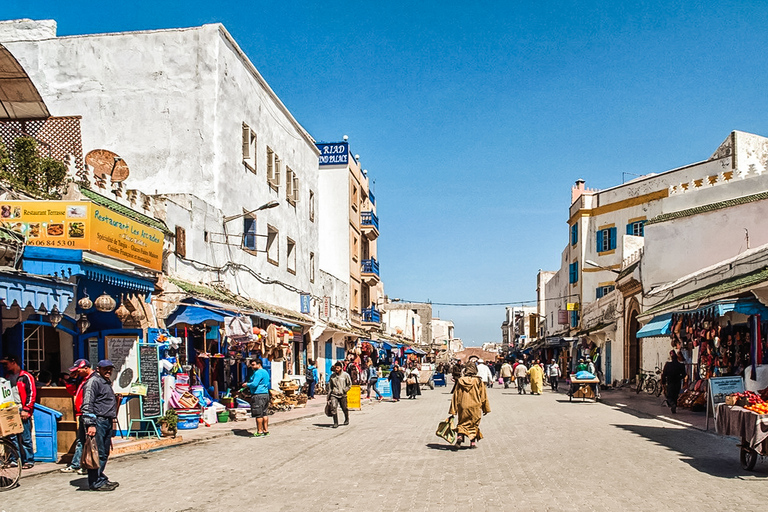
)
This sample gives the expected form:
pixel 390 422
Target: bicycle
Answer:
pixel 648 382
pixel 10 464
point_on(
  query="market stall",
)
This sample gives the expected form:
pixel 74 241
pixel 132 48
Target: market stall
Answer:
pixel 745 416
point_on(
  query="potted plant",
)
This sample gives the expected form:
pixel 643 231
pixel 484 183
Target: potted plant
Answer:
pixel 168 423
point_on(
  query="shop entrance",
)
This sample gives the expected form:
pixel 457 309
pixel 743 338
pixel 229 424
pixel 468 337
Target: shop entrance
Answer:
pixel 634 345
pixel 608 378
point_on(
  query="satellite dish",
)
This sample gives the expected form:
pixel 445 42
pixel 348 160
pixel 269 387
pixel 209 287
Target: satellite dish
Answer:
pixel 107 163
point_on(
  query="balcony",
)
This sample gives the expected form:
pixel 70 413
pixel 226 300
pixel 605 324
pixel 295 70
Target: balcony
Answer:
pixel 371 197
pixel 371 315
pixel 370 271
pixel 369 223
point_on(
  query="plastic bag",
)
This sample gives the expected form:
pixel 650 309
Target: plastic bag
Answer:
pixel 583 375
pixel 90 457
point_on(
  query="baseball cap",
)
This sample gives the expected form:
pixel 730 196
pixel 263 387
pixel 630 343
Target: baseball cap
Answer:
pixel 10 359
pixel 80 364
pixel 105 363
pixel 479 361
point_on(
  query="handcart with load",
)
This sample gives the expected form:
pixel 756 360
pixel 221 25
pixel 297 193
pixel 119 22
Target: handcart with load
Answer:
pixel 584 385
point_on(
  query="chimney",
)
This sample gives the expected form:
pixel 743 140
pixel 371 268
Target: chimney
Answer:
pixel 577 190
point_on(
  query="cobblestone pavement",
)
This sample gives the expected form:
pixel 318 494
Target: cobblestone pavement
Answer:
pixel 540 453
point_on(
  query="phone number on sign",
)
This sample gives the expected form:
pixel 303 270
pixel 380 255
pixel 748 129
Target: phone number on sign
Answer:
pixel 52 243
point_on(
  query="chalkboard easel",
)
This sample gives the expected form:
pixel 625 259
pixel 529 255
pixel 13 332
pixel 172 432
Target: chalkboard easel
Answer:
pixel 149 375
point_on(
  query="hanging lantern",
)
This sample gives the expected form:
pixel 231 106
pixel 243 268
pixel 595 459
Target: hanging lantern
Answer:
pixel 105 303
pixel 137 314
pixel 83 324
pixel 122 312
pixel 54 317
pixel 85 303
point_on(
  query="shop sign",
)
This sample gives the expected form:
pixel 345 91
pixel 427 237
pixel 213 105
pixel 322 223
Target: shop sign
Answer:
pixel 305 303
pixel 573 306
pixel 326 307
pixel 334 154
pixel 562 316
pixel 85 226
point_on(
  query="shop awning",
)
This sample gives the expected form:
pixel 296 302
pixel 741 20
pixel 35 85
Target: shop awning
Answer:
pixel 194 315
pixel 19 98
pixel 414 350
pixel 24 290
pixel 658 326
pixel 275 319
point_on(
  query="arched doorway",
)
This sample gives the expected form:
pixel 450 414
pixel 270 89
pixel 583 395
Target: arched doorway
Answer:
pixel 634 357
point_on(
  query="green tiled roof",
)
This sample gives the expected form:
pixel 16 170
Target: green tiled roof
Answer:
pixel 708 208
pixel 218 294
pixel 628 271
pixel 725 286
pixel 124 210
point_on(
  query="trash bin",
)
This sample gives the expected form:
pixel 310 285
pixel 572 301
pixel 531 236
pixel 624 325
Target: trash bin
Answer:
pixel 46 432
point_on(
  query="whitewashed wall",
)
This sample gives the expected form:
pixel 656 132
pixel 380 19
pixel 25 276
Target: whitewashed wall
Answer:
pixel 333 215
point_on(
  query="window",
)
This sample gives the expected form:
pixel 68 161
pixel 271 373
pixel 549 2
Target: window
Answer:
pixel 574 318
pixel 273 246
pixel 311 206
pixel 602 291
pixel 181 242
pixel 636 228
pixel 311 267
pixel 354 248
pixel 249 233
pixel 291 186
pixel 354 197
pixel 249 148
pixel 273 169
pixel 573 272
pixel 290 255
pixel 575 234
pixel 606 239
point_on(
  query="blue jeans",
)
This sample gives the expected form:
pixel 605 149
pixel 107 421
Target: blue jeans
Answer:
pixel 24 442
pixel 78 444
pixel 311 391
pixel 96 477
pixel 372 384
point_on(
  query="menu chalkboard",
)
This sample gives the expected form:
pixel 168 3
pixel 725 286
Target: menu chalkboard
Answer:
pixel 150 377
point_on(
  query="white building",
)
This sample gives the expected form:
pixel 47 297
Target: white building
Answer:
pixel 202 132
pixel 606 235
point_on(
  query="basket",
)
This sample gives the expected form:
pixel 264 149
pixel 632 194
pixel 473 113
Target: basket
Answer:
pixel 223 416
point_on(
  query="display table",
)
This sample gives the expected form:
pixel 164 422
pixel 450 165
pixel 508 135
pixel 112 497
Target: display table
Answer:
pixel 751 427
pixel 584 388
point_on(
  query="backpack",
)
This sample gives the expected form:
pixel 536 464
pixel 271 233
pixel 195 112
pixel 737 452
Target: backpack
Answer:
pixel 309 373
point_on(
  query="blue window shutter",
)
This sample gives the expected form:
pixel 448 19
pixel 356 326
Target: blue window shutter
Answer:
pixel 629 229
pixel 599 292
pixel 249 233
pixel 611 239
pixel 600 241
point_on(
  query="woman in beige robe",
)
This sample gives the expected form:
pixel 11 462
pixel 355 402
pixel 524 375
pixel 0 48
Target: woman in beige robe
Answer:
pixel 536 376
pixel 469 403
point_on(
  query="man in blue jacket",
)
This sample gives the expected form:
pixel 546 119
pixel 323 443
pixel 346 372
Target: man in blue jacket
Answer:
pixel 259 385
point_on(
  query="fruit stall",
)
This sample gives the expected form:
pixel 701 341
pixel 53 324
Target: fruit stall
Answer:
pixel 745 415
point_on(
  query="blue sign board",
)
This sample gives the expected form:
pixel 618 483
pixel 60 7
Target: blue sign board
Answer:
pixel 305 303
pixel 334 154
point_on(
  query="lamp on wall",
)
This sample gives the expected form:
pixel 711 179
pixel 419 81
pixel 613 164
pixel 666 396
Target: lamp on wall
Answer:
pixel 82 323
pixel 265 206
pixel 105 303
pixel 54 317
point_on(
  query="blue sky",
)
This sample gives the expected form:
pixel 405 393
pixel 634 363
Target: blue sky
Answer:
pixel 475 118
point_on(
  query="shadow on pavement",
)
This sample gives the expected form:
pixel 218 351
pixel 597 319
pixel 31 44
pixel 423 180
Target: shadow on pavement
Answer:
pixel 323 425
pixel 437 446
pixel 241 432
pixel 80 483
pixel 698 450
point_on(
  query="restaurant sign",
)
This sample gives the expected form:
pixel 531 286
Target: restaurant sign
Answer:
pixel 85 226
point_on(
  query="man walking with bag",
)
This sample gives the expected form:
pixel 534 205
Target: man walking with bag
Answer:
pixel 79 373
pixel 338 386
pixel 26 394
pixel 373 378
pixel 99 411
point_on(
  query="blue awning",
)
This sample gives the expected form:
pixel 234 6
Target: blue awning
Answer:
pixel 194 315
pixel 413 350
pixel 658 326
pixel 24 290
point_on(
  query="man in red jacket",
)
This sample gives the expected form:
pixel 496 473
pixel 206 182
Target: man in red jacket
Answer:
pixel 79 374
pixel 27 392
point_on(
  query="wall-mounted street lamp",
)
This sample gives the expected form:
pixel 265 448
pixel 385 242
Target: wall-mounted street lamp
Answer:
pixel 265 206
pixel 593 264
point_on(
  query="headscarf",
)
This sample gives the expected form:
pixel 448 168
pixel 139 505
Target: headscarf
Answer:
pixel 470 369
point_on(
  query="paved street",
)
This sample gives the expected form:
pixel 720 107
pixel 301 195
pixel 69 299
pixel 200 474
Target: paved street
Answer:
pixel 538 454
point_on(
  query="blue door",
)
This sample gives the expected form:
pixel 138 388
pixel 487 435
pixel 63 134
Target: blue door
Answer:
pixel 328 359
pixel 608 379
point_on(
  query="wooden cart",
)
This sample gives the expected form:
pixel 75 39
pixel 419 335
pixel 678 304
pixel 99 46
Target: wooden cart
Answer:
pixel 750 426
pixel 584 388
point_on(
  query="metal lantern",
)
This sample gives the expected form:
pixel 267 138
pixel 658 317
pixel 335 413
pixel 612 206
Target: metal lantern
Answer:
pixel 122 312
pixel 83 324
pixel 105 303
pixel 54 317
pixel 85 303
pixel 137 314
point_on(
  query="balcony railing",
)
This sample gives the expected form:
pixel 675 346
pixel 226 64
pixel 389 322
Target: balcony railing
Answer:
pixel 371 197
pixel 370 219
pixel 371 315
pixel 370 266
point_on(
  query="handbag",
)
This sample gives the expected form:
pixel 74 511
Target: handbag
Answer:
pixel 329 409
pixel 447 430
pixel 90 457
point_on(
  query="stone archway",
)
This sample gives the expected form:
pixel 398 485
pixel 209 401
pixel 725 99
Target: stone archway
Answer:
pixel 633 349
